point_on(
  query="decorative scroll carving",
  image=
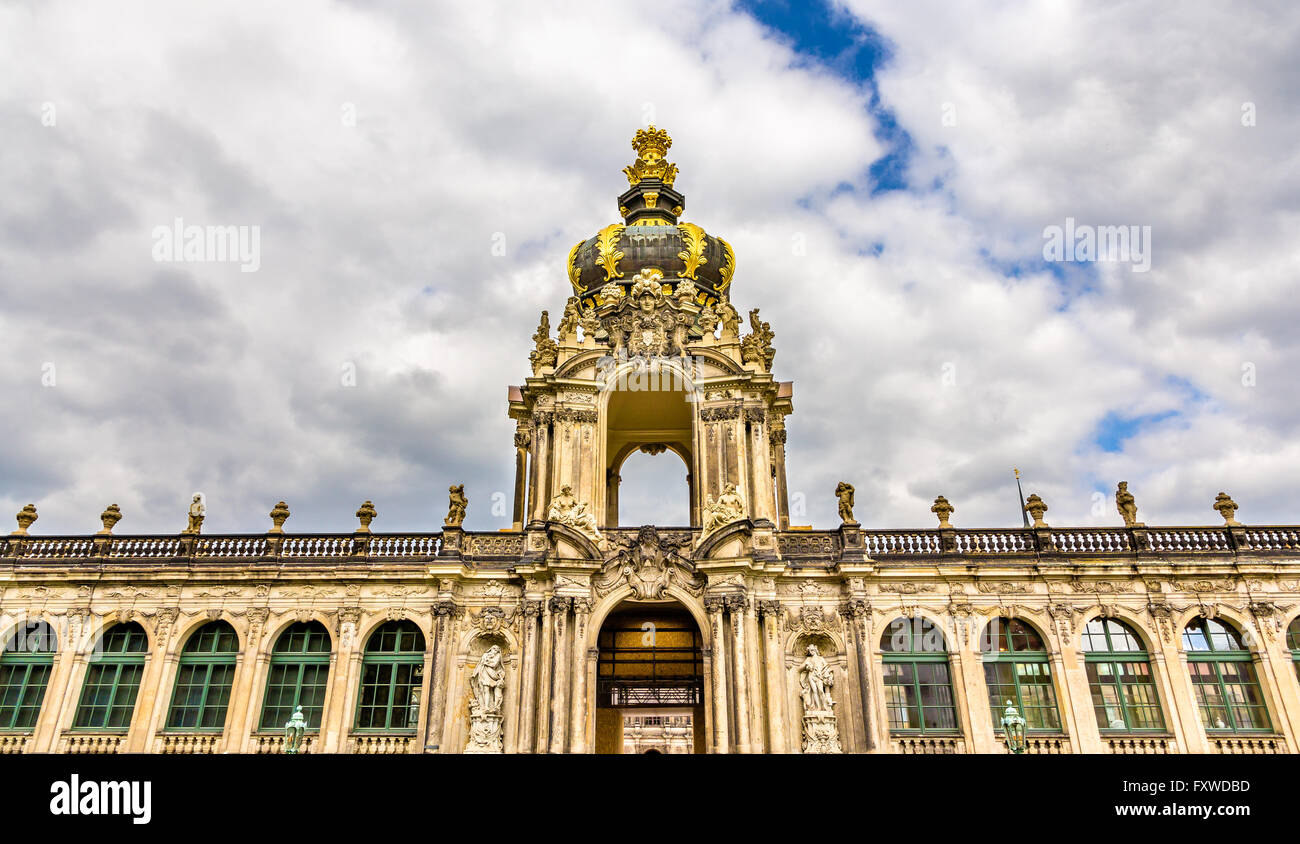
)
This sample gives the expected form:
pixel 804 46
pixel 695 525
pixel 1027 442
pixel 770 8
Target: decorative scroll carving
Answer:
pixel 649 564
pixel 719 414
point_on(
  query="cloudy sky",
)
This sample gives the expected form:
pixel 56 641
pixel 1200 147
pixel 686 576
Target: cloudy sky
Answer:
pixel 885 172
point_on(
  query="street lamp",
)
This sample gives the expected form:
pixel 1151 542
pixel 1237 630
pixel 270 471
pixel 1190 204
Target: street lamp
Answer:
pixel 1014 727
pixel 293 731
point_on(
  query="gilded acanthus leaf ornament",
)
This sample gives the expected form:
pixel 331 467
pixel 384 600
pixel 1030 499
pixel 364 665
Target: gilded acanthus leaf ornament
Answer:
pixel 651 146
pixel 607 251
pixel 693 236
pixel 575 273
pixel 728 267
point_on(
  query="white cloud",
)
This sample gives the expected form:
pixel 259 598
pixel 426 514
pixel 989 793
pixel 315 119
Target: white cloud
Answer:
pixel 484 119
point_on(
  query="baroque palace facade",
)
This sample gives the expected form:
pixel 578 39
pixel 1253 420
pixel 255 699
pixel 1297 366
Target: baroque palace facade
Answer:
pixel 567 633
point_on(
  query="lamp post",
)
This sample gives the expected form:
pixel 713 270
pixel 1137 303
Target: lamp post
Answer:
pixel 1013 726
pixel 293 731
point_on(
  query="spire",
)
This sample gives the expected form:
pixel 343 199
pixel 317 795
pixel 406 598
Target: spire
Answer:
pixel 651 200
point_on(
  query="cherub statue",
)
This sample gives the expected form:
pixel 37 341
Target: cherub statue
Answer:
pixel 729 507
pixel 457 504
pixel 844 492
pixel 198 510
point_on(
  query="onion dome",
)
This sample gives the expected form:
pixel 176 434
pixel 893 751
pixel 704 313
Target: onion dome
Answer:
pixel 650 236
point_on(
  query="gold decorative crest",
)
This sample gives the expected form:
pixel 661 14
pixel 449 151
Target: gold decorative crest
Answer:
pixel 607 252
pixel 651 146
pixel 694 254
pixel 575 273
pixel 728 265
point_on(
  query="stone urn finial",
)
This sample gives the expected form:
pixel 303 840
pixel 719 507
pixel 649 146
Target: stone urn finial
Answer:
pixel 943 510
pixel 279 513
pixel 110 517
pixel 25 517
pixel 1222 502
pixel 366 514
pixel 1036 507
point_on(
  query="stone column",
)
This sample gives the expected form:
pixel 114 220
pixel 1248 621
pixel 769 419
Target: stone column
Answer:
pixel 736 605
pixel 444 613
pixel 856 613
pixel 578 724
pixel 541 494
pixel 63 690
pixel 155 668
pixel 342 666
pixel 1074 685
pixel 528 713
pixel 977 714
pixel 544 678
pixel 522 439
pixel 560 696
pixel 612 481
pixel 1192 734
pixel 713 606
pixel 777 438
pixel 770 623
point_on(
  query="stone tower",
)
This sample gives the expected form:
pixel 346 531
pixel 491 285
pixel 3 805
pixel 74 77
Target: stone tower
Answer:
pixel 648 355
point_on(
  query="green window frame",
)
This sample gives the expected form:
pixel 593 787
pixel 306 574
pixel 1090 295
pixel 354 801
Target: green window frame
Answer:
pixel 113 680
pixel 25 667
pixel 392 679
pixel 1228 695
pixel 298 676
pixel 1293 642
pixel 918 679
pixel 205 676
pixel 1016 668
pixel 1124 694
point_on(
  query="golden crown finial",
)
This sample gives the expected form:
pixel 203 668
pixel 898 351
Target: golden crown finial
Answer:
pixel 651 146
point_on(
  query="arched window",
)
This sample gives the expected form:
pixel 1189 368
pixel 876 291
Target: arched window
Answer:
pixel 299 676
pixel 204 679
pixel 1016 669
pixel 1227 688
pixel 392 674
pixel 918 685
pixel 1119 674
pixel 1293 642
pixel 25 667
pixel 113 679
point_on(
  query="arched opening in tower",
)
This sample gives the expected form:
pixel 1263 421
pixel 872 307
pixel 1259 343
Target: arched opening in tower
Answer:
pixel 647 418
pixel 654 490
